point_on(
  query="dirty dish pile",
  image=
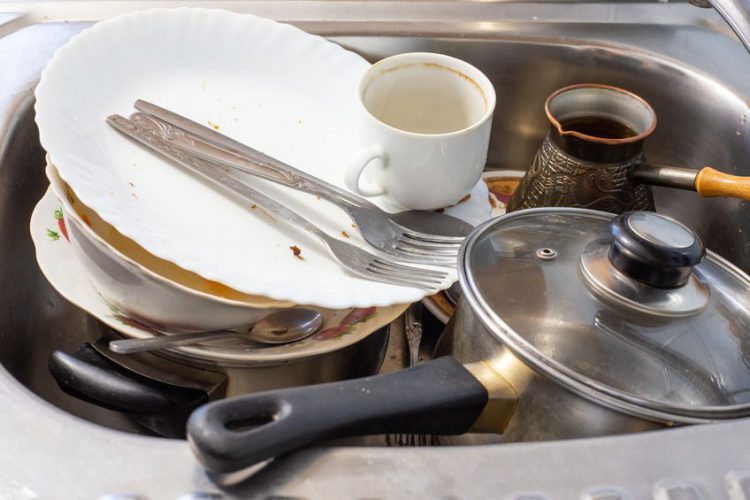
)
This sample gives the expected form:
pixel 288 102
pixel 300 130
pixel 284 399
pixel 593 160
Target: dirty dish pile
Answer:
pixel 194 257
pixel 150 248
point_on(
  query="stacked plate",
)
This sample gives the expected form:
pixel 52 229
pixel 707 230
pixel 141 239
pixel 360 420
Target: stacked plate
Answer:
pixel 161 250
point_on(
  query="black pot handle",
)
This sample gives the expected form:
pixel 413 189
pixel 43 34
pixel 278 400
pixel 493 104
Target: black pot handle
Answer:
pixel 89 376
pixel 439 397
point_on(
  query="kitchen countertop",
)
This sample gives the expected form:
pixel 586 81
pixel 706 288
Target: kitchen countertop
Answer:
pixel 46 453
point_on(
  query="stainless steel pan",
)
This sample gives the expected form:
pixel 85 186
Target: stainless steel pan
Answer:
pixel 542 346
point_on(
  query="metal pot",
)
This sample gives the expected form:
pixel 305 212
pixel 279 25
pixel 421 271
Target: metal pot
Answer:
pixel 593 156
pixel 571 324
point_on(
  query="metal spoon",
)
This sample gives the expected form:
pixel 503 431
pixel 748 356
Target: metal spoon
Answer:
pixel 281 327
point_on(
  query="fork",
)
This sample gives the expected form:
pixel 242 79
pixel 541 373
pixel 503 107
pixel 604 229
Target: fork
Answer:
pixel 368 265
pixel 377 227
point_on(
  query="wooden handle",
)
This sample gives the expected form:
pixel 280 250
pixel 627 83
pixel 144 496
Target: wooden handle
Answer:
pixel 711 182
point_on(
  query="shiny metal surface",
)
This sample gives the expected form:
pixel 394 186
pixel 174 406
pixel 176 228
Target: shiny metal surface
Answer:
pixel 582 163
pixel 665 364
pixel 366 264
pixel 609 284
pixel 279 328
pixel 209 144
pixel 413 333
pixel 737 14
pixel 291 326
pixel 569 43
pixel 658 175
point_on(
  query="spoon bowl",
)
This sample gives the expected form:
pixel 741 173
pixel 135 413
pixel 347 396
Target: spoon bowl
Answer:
pixel 282 327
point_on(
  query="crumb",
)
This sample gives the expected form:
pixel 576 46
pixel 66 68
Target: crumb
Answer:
pixel 253 206
pixel 354 226
pixel 440 210
pixel 213 125
pixel 344 234
pixel 131 184
pixel 465 198
pixel 297 251
pixel 493 203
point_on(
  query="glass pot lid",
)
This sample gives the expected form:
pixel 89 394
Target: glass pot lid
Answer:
pixel 629 308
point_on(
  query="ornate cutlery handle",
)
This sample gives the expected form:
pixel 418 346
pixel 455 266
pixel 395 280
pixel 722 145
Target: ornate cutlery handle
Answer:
pixel 211 145
pixel 150 132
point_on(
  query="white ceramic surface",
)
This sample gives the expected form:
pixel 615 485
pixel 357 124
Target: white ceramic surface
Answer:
pixel 501 185
pixel 58 261
pixel 146 296
pixel 427 120
pixel 285 92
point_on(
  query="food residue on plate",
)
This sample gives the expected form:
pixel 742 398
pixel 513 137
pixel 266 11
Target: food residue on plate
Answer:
pixel 465 198
pixel 344 234
pixel 213 125
pixel 297 251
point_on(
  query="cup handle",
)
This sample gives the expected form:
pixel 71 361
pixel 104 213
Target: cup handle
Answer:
pixel 361 160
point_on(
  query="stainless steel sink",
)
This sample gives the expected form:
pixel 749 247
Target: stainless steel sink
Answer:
pixel 702 107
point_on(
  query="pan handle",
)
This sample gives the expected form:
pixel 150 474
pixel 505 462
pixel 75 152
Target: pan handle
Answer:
pixel 439 397
pixel 89 376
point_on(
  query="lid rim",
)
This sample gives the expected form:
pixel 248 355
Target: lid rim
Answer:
pixel 571 380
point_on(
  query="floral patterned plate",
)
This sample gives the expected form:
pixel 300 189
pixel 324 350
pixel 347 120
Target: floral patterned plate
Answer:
pixel 501 185
pixel 67 275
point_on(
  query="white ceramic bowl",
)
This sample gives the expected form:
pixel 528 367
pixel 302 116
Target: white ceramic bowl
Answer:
pixel 149 289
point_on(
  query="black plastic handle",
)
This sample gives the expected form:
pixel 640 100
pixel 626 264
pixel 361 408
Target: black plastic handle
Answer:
pixel 439 397
pixel 89 376
pixel 654 249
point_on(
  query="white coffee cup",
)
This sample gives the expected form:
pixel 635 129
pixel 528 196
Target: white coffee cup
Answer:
pixel 427 120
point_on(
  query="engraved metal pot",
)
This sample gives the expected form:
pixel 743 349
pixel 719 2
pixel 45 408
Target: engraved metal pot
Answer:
pixel 572 169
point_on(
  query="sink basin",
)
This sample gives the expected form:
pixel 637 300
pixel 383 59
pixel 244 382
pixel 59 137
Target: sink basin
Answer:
pixel 702 121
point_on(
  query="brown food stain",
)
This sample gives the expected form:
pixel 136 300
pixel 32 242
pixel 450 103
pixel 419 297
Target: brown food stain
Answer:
pixel 213 125
pixel 345 234
pixel 86 219
pixel 297 251
pixel 460 74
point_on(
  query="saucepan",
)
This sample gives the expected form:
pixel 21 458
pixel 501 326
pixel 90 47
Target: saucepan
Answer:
pixel 572 323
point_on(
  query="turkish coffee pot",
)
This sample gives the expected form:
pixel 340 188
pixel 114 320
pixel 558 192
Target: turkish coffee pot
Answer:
pixel 593 156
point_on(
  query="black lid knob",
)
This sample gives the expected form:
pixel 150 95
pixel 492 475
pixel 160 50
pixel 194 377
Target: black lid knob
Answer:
pixel 654 249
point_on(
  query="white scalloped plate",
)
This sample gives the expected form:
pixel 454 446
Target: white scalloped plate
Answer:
pixel 270 85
